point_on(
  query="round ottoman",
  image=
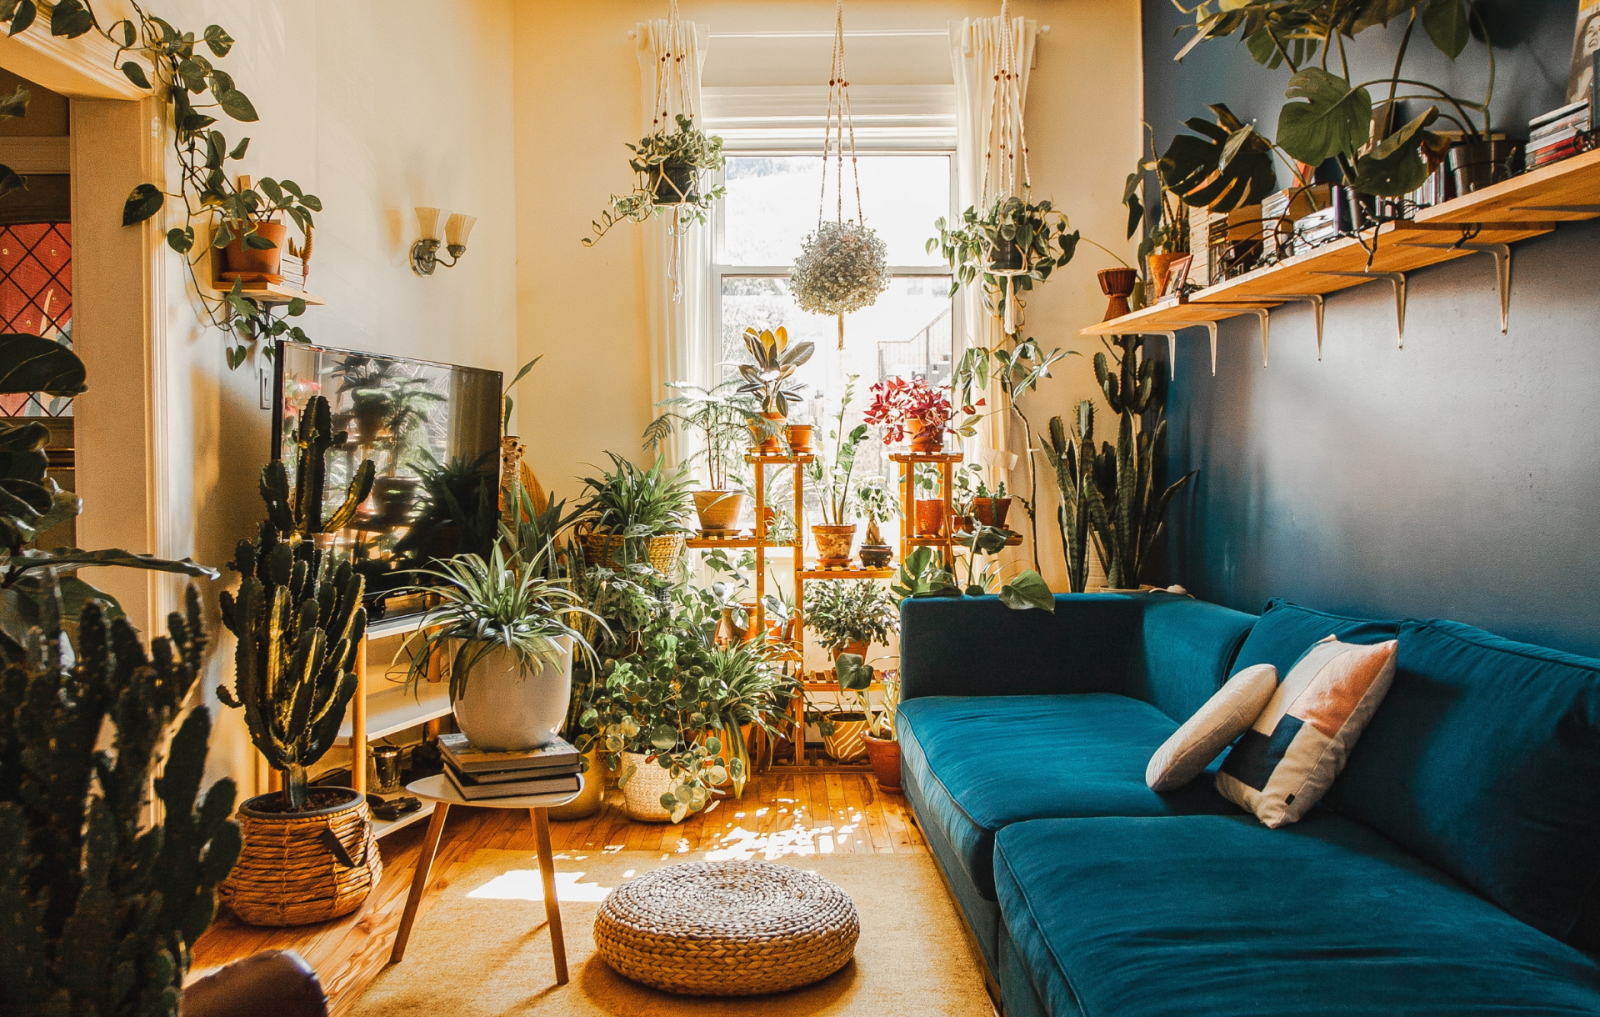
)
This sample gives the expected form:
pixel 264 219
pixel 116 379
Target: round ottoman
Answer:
pixel 727 928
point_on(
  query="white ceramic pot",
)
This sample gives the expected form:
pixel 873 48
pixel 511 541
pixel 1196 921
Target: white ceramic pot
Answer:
pixel 503 709
pixel 641 797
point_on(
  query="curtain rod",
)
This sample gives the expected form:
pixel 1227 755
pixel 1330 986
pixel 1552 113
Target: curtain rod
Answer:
pixel 633 33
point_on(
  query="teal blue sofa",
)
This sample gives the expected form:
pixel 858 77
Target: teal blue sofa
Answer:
pixel 1453 869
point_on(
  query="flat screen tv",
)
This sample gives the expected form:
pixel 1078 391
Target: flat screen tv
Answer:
pixel 432 432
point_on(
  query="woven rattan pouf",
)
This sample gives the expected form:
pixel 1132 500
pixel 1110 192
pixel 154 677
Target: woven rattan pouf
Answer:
pixel 727 928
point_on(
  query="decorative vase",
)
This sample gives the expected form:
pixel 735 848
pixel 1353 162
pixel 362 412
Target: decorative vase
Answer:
pixel 1160 267
pixel 769 439
pixel 718 510
pixel 1477 164
pixel 930 517
pixel 641 796
pixel 991 511
pixel 254 265
pixel 876 556
pixel 1117 283
pixel 503 709
pixel 591 797
pixel 1005 257
pixel 884 755
pixel 833 544
pixel 799 438
pixel 848 742
pixel 924 440
pixel 288 872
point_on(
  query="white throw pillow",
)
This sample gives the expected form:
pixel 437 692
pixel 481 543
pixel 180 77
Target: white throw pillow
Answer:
pixel 1226 716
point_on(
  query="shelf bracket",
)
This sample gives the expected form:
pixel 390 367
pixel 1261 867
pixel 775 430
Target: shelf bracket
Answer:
pixel 1317 301
pixel 1398 281
pixel 1502 269
pixel 1211 327
pixel 1172 351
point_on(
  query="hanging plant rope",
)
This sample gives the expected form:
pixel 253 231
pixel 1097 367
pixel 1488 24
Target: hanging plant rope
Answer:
pixel 1008 110
pixel 673 160
pixel 843 266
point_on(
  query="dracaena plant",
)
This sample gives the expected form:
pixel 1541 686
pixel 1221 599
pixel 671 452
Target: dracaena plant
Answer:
pixel 1330 115
pixel 179 67
pixel 775 361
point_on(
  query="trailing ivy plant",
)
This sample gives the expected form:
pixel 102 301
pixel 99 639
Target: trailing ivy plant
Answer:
pixel 171 64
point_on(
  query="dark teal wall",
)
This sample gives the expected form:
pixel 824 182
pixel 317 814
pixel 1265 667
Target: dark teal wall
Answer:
pixel 1457 478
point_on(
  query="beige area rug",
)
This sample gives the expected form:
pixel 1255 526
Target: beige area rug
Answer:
pixel 482 948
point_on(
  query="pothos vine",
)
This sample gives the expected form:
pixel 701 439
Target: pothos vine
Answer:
pixel 175 69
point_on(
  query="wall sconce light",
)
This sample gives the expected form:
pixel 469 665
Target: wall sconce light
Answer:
pixel 425 252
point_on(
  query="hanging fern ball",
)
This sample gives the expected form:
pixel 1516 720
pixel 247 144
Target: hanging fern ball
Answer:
pixel 842 268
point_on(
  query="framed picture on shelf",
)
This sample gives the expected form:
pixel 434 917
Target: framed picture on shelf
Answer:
pixel 1177 276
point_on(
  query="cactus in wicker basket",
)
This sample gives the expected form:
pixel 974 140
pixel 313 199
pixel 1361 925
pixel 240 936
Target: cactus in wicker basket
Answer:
pixel 298 614
pixel 98 906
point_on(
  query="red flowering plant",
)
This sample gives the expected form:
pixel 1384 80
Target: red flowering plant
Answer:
pixel 896 402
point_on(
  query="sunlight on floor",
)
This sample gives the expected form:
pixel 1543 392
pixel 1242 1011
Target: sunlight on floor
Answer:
pixel 525 884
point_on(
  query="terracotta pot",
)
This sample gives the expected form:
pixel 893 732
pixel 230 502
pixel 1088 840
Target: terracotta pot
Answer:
pixel 718 510
pixel 833 544
pixel 884 755
pixel 750 631
pixel 991 511
pixel 924 440
pixel 859 648
pixel 772 444
pixel 930 517
pixel 252 265
pixel 799 438
pixel 1160 266
pixel 848 741
pixel 590 798
pixel 1117 283
pixel 961 524
pixel 876 556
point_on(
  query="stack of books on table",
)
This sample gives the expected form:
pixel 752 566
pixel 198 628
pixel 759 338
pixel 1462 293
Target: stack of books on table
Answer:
pixel 1557 134
pixel 477 774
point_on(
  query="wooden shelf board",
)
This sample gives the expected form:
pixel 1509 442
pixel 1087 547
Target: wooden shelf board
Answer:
pixel 395 707
pixel 270 293
pixel 926 457
pixel 779 459
pixel 706 543
pixel 1505 212
pixel 811 571
pixel 383 827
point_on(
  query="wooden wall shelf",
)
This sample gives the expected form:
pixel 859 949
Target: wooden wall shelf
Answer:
pixel 1485 221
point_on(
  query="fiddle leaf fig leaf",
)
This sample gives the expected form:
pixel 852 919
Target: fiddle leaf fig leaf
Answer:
pixel 1334 119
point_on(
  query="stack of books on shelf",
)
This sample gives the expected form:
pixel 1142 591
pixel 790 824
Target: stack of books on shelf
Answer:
pixel 293 269
pixel 477 774
pixel 1558 134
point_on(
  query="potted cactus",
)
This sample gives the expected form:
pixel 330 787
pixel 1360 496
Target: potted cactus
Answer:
pixel 299 620
pixel 767 378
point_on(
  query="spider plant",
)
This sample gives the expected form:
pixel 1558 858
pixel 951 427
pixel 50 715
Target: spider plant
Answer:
pixel 637 502
pixel 493 603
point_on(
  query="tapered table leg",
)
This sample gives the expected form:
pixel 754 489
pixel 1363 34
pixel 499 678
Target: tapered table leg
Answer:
pixel 419 882
pixel 552 906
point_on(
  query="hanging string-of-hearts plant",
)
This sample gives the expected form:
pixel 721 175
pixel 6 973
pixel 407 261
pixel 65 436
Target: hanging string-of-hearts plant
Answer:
pixel 843 266
pixel 673 162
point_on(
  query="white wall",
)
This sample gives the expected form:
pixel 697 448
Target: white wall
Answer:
pixel 577 101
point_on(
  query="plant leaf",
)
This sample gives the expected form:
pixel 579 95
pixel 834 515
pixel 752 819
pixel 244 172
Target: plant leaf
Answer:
pixel 1395 165
pixel 218 40
pixel 236 105
pixel 71 19
pixel 145 201
pixel 1335 119
pixel 26 12
pixel 135 73
pixel 1028 590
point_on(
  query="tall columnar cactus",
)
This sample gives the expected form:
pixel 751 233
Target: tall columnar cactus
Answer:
pixel 1071 456
pixel 99 907
pixel 1126 508
pixel 298 614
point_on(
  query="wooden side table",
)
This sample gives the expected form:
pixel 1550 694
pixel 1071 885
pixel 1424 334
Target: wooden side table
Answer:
pixel 443 794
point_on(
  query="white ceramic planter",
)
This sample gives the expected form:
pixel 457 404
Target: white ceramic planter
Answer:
pixel 641 798
pixel 504 709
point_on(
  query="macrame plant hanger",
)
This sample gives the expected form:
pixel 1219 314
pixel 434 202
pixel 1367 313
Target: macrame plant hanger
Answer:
pixel 672 81
pixel 839 103
pixel 1000 149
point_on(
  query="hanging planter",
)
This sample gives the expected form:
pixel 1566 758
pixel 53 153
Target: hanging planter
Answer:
pixel 843 266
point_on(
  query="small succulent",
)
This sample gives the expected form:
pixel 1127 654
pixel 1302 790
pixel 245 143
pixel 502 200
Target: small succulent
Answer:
pixel 775 362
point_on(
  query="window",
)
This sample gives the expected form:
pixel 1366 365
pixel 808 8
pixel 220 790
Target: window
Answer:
pixel 771 205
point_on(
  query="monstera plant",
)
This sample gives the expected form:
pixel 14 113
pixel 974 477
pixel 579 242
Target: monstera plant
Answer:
pixel 1330 116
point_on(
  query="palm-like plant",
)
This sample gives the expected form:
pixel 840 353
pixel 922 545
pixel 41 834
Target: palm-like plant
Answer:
pixel 775 362
pixel 637 502
pixel 495 603
pixel 721 417
pixel 833 474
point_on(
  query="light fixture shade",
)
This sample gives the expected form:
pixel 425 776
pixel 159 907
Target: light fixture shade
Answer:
pixel 457 228
pixel 428 223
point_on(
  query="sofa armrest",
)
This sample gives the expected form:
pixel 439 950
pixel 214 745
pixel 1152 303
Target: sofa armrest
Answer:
pixel 976 646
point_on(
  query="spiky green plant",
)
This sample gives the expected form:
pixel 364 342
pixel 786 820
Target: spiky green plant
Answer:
pixel 99 905
pixel 298 614
pixel 1071 458
pixel 637 502
pixel 1127 509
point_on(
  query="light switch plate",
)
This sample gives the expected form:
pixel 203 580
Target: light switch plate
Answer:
pixel 266 389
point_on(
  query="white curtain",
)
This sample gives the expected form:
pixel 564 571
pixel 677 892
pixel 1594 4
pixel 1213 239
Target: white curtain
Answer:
pixel 679 312
pixel 985 174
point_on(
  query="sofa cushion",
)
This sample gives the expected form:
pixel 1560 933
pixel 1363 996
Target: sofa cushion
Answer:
pixel 1201 739
pixel 1184 652
pixel 1179 916
pixel 1285 631
pixel 983 762
pixel 1485 761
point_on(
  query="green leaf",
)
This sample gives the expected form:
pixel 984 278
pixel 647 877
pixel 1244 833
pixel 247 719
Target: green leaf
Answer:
pixel 181 240
pixel 219 41
pixel 1028 590
pixel 71 19
pixel 193 72
pixel 312 202
pixel 239 149
pixel 257 242
pixel 31 363
pixel 26 12
pixel 236 105
pixel 270 188
pixel 70 559
pixel 853 672
pixel 1447 24
pixel 1228 165
pixel 135 73
pixel 1395 166
pixel 297 307
pixel 1335 119
pixel 1131 198
pixel 663 737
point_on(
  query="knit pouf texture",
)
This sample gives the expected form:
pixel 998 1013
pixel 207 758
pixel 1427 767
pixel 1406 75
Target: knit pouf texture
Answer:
pixel 727 928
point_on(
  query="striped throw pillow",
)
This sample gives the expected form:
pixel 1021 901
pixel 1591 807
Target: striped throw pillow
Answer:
pixel 1288 758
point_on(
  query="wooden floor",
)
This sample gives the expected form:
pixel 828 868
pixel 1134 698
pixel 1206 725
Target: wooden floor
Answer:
pixel 786 812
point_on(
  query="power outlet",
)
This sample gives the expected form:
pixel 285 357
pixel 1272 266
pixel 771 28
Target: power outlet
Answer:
pixel 266 389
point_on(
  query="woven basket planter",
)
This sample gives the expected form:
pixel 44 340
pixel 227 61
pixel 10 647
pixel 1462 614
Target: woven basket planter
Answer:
pixel 641 798
pixel 610 552
pixel 288 872
pixel 726 928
